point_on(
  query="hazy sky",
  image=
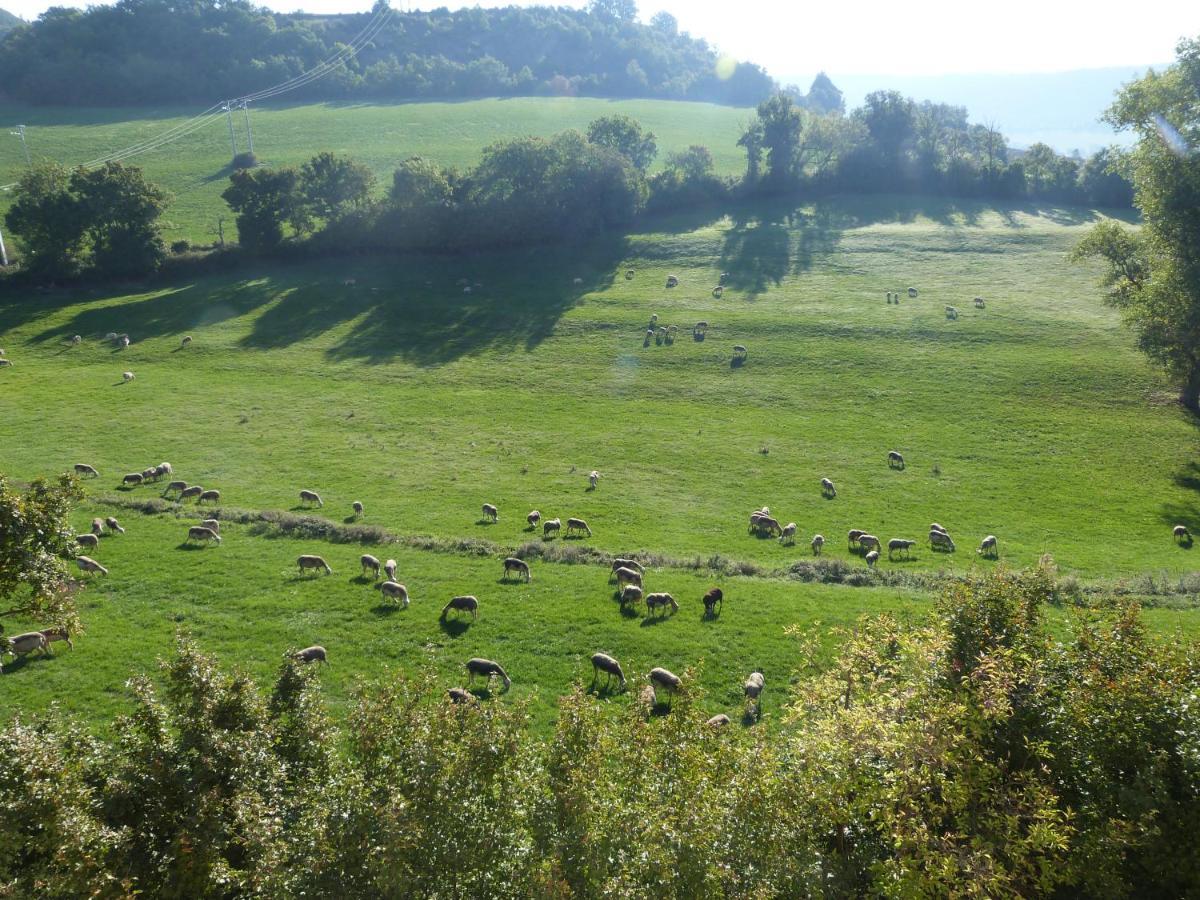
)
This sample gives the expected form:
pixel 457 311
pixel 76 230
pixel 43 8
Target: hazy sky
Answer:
pixel 915 37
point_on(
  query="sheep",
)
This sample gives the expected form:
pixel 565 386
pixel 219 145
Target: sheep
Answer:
pixel 889 297
pixel 853 536
pixel 739 352
pixel 672 281
pixel 951 312
pixel 818 542
pixel 827 488
pixel 213 525
pixel 577 281
pixel 57 634
pixel 934 526
pixel 768 525
pixel 602 662
pixel 755 519
pixel 194 491
pixel 5 363
pixel 358 509
pixel 200 533
pixel 649 337
pixel 868 540
pixel 111 336
pixel 578 525
pixel 720 720
pixel 533 518
pixel 593 477
pixel 127 376
pixel 550 525
pixel 629 274
pixel 989 546
pixel 872 558
pixel 311 497
pixel 722 278
pixel 979 303
pixel 394 590
pixel 752 689
pixel 462 604
pixel 311 654
pixel 940 539
pixel 87 540
pixel 313 562
pixel 86 471
pixel 712 598
pixel 389 568
pixel 150 474
pixel 662 600
pixel 23 644
pixel 662 678
pixel 912 292
pixel 1181 534
pixel 628 576
pixel 902 545
pixel 672 330
pixel 214 496
pixel 654 320
pixel 133 478
pixel 895 459
pixel 621 562
pixel 124 342
pixel 349 282
pixel 718 291
pixel 512 564
pixel 630 594
pixel 97 527
pixel 700 328
pixel 87 564
pixel 488 669
pixel 367 561
pixel 175 487
pixel 490 512
pixel 788 535
pixel 461 695
pixel 187 339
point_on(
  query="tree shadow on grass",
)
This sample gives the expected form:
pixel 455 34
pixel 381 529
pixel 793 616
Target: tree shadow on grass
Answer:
pixel 771 240
pixel 1185 511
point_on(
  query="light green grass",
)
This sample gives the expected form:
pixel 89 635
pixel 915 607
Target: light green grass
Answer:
pixel 195 168
pixel 1034 419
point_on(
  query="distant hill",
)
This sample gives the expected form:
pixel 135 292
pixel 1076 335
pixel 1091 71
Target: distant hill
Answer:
pixel 8 20
pixel 1061 109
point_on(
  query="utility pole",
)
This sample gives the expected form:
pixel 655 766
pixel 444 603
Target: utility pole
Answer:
pixel 249 131
pixel 3 252
pixel 228 107
pixel 20 132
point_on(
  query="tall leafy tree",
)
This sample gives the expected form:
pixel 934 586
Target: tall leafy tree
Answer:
pixel 779 126
pixel 332 185
pixel 264 200
pixel 120 210
pixel 45 216
pixel 824 96
pixel 891 120
pixel 625 135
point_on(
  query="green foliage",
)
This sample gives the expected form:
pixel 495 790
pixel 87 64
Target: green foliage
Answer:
pixel 332 185
pixel 120 210
pixel 625 136
pixel 264 200
pixel 45 216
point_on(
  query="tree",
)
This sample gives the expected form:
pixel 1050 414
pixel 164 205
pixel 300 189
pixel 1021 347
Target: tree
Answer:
pixel 752 142
pixel 824 96
pixel 1160 297
pixel 692 164
pixel 264 200
pixel 625 135
pixel 45 216
pixel 120 210
pixel 891 121
pixel 332 185
pixel 35 542
pixel 1101 179
pixel 420 184
pixel 782 123
pixel 665 22
pixel 615 10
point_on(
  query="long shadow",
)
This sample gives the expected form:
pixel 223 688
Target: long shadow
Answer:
pixel 1185 511
pixel 771 240
pixel 455 627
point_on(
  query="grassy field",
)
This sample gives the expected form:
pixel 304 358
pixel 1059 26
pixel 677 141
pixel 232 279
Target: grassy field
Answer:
pixel 196 167
pixel 1034 419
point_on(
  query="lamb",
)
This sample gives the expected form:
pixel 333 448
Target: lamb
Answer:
pixel 934 526
pixel 720 720
pixel 868 540
pixel 989 546
pixel 150 474
pixel 533 518
pixel 461 695
pixel 214 496
pixel 512 564
pixel 550 525
pixel 889 297
pixel 23 644
pixel 672 281
pixel 979 303
pixel 664 679
pixel 712 598
pixel 593 477
pixel 628 576
pixel 194 491
pixel 490 512
pixel 769 525
pixel 788 535
pixel 629 274
pixel 902 545
pixel 718 291
pixel 753 690
pixel 87 540
pixel 358 509
pixel 201 533
pixel 853 536
pixel 578 525
pixel 462 604
pixel 827 488
pixel 313 562
pixel 739 352
pixel 311 497
pixel 315 653
pixel 394 590
pixel 369 562
pixel 389 568
pixel 620 562
pixel 133 478
pixel 661 600
pixel 213 524
pixel 912 292
pixel 175 487
pixel 602 662
pixel 818 542
pixel 722 278
pixel 488 669
pixel 940 539
pixel 630 594
pixel 164 468
pixel 895 459
pixel 86 471
pixel 951 312
pixel 115 526
pixel 97 527
pixel 128 376
pixel 1181 534
pixel 57 634
pixel 87 564
pixel 872 558
pixel 187 339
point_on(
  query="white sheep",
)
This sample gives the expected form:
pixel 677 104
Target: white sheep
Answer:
pixel 389 568
pixel 124 341
pixel 465 603
pixel 394 590
pixel 87 564
pixel 550 525
pixel 902 545
pixel 872 558
pixel 83 469
pixel 488 669
pixel 621 562
pixel 311 497
pixel 212 496
pixel 512 564
pixel 593 477
pixel 602 662
pixel 912 292
pixel 989 546
pixel 818 542
pixel 951 312
pixel 752 689
pixel 358 509
pixel 133 478
pixel 311 654
pixel 128 376
pixel 76 340
pixel 200 533
pixel 788 535
pixel 827 488
pixel 5 363
pixel 979 303
pixel 490 513
pixel 630 594
pixel 533 518
pixel 1181 533
pixel 664 679
pixel 97 527
pixel 87 540
pixel 194 490
pixel 628 576
pixel 940 539
pixel 367 561
pixel 672 281
pixel 661 600
pixel 461 695
pixel 212 524
pixel 720 720
pixel 187 339
pixel 175 487
pixel 895 459
pixel 868 540
pixel 313 562
pixel 578 525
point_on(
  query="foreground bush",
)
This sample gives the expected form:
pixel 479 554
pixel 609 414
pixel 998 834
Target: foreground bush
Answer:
pixel 968 756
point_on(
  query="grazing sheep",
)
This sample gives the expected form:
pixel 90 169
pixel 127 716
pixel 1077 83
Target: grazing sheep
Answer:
pixel 150 474
pixel 672 281
pixel 86 471
pixel 488 669
pixel 989 546
pixel 700 328
pixel 718 291
pixel 661 600
pixel 550 525
pixel 940 539
pixel 313 562
pixel 672 330
pixel 723 278
pixel 164 468
pixel 827 488
pixel 788 535
pixel 115 526
pixel 902 545
pixel 752 688
pixel 621 562
pixel 394 590
pixel 128 376
pixel 23 644
pixel 720 720
pixel 111 336
pixel 868 540
pixel 311 497
pixel 630 594
pixel 175 487
pixel 593 477
pixel 818 542
pixel 1181 534
pixel 389 568
pixel 951 312
pixel 629 274
pixel 490 512
pixel 311 654
pixel 602 662
pixel 628 576
pixel 895 459
pixel 57 634
pixel 133 478
pixel 739 352
pixel 654 320
pixel 367 561
pixel 768 525
pixel 512 564
pixel 350 282
pixel 912 292
pixel 533 518
pixel 200 533
pixel 97 527
pixel 577 281
pixel 213 496
pixel 712 598
pixel 87 564
pixel 5 363
pixel 87 540
pixel 853 536
pixel 872 558
pixel 187 339
pixel 934 526
pixel 889 297
pixel 755 520
pixel 461 695
pixel 979 303
pixel 358 509
pixel 462 604
pixel 214 524
pixel 578 525
pixel 194 491
pixel 664 679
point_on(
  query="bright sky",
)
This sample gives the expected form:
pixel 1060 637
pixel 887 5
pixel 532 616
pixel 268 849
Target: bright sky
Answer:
pixel 794 40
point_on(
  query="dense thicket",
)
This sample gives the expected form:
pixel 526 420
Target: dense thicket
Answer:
pixel 175 51
pixel 970 756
